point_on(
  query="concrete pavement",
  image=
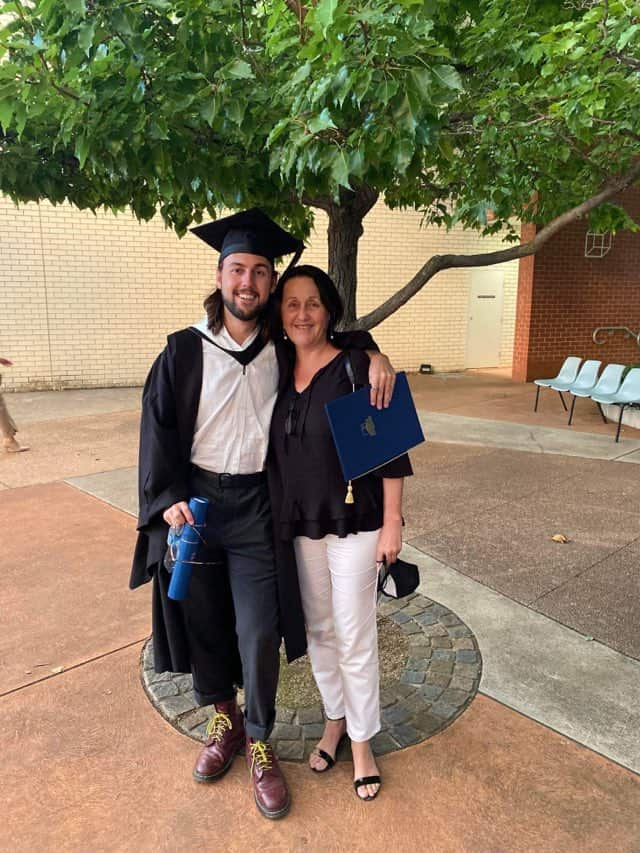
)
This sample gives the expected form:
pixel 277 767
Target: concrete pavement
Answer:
pixel 541 668
pixel 457 429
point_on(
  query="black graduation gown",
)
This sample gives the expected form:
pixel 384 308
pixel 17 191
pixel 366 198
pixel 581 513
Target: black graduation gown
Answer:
pixel 170 402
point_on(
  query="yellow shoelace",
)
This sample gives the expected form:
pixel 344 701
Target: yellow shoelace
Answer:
pixel 218 725
pixel 260 755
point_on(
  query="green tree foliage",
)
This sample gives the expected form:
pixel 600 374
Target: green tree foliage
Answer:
pixel 473 111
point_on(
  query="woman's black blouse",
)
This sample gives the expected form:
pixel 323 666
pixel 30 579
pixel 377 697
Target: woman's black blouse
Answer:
pixel 308 488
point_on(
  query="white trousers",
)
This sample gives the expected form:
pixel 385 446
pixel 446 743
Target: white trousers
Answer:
pixel 338 580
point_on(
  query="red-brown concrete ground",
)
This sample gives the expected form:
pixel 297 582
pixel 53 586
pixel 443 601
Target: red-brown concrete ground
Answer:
pixel 89 765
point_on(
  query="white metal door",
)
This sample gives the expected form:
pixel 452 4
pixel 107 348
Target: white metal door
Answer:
pixel 485 317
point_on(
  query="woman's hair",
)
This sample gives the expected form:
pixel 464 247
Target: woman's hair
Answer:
pixel 329 295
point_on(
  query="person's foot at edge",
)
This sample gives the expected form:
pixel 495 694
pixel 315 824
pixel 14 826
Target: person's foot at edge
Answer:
pixel 12 445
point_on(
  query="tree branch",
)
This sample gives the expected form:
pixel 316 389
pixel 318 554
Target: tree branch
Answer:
pixel 629 61
pixel 244 24
pixel 323 202
pixel 442 262
pixel 298 9
pixel 360 200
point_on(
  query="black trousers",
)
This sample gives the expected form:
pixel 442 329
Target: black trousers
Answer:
pixel 232 607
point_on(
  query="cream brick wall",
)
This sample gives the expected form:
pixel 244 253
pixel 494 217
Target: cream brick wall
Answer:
pixel 432 327
pixel 87 301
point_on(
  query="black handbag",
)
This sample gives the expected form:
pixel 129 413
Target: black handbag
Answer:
pixel 397 579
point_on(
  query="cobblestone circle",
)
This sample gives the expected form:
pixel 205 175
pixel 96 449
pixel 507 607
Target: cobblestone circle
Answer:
pixel 440 679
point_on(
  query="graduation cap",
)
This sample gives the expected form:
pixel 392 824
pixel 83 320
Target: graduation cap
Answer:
pixel 250 231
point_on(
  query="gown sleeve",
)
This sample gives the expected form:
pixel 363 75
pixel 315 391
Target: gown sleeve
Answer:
pixel 356 339
pixel 163 467
pixel 162 471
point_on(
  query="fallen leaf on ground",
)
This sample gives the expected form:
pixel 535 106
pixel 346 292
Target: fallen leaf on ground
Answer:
pixel 560 537
pixel 57 669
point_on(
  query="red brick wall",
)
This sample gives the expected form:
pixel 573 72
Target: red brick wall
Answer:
pixel 566 296
pixel 524 306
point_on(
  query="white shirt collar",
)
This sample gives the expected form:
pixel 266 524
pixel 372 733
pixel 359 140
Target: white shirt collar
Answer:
pixel 223 338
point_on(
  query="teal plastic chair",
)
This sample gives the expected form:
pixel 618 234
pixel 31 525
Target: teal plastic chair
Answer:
pixel 627 395
pixel 609 382
pixel 566 374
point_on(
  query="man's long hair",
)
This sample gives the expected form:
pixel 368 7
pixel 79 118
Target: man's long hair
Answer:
pixel 214 307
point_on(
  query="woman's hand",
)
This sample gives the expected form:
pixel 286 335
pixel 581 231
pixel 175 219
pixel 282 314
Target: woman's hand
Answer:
pixel 389 541
pixel 382 378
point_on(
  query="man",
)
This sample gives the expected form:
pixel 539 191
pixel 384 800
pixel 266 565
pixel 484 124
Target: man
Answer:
pixel 206 410
pixel 8 427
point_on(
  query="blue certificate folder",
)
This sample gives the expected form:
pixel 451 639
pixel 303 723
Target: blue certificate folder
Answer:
pixel 366 437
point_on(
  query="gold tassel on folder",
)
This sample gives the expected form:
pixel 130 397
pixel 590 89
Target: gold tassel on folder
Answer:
pixel 349 497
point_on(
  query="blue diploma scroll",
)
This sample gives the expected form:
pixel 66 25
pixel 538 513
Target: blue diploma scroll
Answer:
pixel 185 547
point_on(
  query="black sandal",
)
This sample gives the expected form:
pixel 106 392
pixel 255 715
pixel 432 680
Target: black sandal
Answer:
pixel 367 780
pixel 330 759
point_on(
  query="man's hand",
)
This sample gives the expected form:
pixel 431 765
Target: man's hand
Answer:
pixel 5 362
pixel 178 514
pixel 382 378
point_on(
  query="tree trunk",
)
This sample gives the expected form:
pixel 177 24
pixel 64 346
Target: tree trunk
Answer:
pixel 344 231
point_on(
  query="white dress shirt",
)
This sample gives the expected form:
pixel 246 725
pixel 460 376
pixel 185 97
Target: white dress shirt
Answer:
pixel 235 408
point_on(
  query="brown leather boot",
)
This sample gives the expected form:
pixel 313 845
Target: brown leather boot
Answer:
pixel 225 739
pixel 269 786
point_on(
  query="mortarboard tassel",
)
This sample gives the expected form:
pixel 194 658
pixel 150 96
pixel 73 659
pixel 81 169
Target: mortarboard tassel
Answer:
pixel 349 497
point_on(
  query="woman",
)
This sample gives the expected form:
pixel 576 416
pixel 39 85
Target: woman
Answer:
pixel 337 539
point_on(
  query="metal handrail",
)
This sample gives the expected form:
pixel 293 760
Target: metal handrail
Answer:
pixel 610 330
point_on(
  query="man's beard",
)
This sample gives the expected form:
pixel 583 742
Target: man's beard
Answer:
pixel 240 313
